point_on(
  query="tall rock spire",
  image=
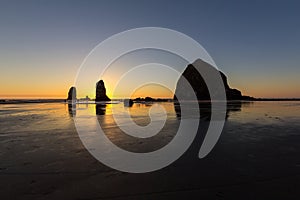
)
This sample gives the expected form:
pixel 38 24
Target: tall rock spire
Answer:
pixel 101 92
pixel 72 94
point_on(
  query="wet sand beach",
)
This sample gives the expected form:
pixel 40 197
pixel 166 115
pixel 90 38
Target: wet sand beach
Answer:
pixel 256 157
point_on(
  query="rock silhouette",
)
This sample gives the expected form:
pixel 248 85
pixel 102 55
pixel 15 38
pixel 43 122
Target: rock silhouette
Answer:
pixel 128 102
pixel 199 86
pixel 72 94
pixel 101 92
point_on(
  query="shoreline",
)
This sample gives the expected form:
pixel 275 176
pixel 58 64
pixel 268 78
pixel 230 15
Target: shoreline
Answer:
pixel 23 101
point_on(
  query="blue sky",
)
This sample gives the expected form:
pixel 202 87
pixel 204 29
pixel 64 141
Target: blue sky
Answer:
pixel 256 43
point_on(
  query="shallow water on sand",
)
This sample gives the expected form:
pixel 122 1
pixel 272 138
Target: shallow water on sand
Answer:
pixel 42 157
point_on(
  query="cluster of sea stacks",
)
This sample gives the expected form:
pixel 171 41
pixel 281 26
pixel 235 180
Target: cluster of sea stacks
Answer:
pixel 191 74
pixel 100 93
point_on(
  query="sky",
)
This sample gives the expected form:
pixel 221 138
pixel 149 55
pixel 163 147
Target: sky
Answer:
pixel 43 43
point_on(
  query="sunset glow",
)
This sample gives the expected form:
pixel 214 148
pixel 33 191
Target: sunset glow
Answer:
pixel 41 53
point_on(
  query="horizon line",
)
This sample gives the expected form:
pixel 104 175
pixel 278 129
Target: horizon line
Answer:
pixel 64 98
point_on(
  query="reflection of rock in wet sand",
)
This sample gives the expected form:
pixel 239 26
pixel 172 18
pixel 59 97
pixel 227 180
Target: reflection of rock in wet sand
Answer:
pixel 72 109
pixel 205 108
pixel 100 109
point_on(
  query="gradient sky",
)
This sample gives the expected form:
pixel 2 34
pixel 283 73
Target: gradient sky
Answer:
pixel 43 43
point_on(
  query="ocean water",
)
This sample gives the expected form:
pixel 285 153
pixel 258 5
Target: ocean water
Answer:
pixel 42 157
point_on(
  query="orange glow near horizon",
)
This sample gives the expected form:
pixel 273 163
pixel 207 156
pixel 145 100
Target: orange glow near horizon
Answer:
pixel 34 92
pixel 258 89
pixel 155 91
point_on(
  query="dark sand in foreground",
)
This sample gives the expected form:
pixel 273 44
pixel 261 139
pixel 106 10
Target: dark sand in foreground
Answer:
pixel 257 157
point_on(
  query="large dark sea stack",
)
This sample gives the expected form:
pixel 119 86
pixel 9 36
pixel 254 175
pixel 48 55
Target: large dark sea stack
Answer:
pixel 199 86
pixel 101 92
pixel 72 94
